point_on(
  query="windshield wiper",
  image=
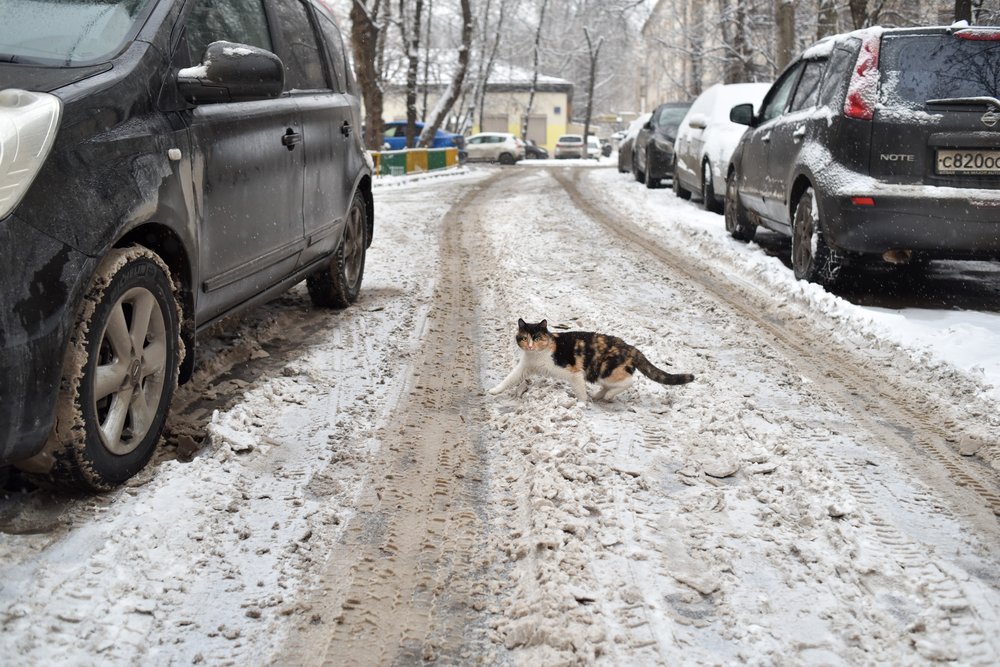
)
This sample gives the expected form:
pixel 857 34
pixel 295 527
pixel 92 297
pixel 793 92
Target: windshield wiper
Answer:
pixel 19 60
pixel 985 101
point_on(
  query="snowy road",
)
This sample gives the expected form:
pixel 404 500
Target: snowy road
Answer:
pixel 338 489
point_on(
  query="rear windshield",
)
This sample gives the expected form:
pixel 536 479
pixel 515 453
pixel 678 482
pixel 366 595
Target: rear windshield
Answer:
pixel 571 139
pixel 66 32
pixel 917 68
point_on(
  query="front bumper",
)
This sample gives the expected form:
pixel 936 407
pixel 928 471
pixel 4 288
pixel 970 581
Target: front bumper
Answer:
pixel 934 221
pixel 39 279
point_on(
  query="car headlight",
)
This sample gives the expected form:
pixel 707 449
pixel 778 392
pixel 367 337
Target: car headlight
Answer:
pixel 28 125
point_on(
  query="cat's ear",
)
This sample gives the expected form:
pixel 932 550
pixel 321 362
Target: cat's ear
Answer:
pixel 521 324
pixel 544 324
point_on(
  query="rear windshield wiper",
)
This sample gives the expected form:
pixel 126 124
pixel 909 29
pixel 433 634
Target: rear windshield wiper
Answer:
pixel 984 101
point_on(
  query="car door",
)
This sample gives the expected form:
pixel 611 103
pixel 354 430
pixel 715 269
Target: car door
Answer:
pixel 327 119
pixel 248 170
pixel 787 136
pixel 475 147
pixel 755 190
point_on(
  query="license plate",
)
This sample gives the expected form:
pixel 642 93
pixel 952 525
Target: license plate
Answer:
pixel 968 162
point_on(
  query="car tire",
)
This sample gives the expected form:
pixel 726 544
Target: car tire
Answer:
pixel 737 223
pixel 338 283
pixel 679 190
pixel 506 158
pixel 813 259
pixel 119 376
pixel 650 181
pixel 638 174
pixel 708 199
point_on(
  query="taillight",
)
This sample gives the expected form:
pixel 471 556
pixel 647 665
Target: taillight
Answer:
pixel 979 35
pixel 863 201
pixel 863 91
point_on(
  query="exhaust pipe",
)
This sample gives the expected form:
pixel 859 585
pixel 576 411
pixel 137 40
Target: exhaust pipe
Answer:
pixel 897 256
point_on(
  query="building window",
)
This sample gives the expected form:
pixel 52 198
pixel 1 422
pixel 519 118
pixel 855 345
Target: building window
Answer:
pixel 557 110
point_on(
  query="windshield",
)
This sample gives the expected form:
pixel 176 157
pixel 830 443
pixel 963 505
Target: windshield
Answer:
pixel 66 32
pixel 917 68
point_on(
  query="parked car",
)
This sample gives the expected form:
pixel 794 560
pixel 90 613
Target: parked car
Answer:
pixel 875 144
pixel 173 166
pixel 653 152
pixel 626 142
pixel 569 146
pixel 706 140
pixel 605 145
pixel 502 147
pixel 394 136
pixel 532 151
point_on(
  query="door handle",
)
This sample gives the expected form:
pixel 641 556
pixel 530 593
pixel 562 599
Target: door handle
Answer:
pixel 766 138
pixel 346 129
pixel 290 138
pixel 799 133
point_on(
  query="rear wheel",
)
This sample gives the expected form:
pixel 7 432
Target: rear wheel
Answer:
pixel 812 259
pixel 506 158
pixel 737 224
pixel 338 283
pixel 120 374
pixel 708 198
pixel 651 181
pixel 679 189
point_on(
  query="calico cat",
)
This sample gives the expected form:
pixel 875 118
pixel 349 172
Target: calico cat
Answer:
pixel 580 357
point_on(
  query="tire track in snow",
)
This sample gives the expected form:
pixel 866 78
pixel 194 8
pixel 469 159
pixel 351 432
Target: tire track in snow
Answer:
pixel 898 414
pixel 405 583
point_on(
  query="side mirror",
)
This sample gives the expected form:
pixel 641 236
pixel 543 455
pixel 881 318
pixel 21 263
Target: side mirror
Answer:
pixel 648 125
pixel 698 121
pixel 232 73
pixel 742 114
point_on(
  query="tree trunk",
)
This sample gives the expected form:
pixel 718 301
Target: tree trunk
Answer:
pixel 963 10
pixel 447 100
pixel 784 20
pixel 592 52
pixel 411 37
pixel 534 74
pixel 859 13
pixel 427 60
pixel 826 20
pixel 366 42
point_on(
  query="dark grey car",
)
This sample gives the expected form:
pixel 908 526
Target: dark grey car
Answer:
pixel 653 149
pixel 176 161
pixel 877 144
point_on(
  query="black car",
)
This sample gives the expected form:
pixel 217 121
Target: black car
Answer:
pixel 653 148
pixel 877 144
pixel 176 161
pixel 533 151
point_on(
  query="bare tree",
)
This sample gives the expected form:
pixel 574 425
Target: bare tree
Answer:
pixel 963 10
pixel 593 52
pixel 534 71
pixel 451 94
pixel 368 43
pixel 409 28
pixel 784 19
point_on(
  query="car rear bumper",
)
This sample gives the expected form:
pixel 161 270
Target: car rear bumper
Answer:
pixel 942 222
pixel 38 276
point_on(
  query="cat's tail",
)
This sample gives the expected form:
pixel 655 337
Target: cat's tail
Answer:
pixel 657 375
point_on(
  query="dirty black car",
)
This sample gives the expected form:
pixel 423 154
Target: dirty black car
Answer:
pixel 653 148
pixel 875 146
pixel 163 164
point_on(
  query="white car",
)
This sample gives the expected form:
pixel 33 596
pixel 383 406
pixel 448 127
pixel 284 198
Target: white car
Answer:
pixel 594 148
pixel 707 138
pixel 502 147
pixel 571 146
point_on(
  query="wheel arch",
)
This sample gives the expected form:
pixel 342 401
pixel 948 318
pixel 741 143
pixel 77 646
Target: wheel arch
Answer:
pixel 364 187
pixel 801 183
pixel 169 246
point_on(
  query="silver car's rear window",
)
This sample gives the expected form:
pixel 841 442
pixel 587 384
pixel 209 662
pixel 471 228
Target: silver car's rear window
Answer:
pixel 67 32
pixel 917 68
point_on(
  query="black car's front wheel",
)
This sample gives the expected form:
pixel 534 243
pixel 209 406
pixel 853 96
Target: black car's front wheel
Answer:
pixel 338 283
pixel 812 258
pixel 651 181
pixel 119 375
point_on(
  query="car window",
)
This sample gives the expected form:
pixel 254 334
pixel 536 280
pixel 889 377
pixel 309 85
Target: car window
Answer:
pixel 807 92
pixel 670 116
pixel 835 82
pixel 475 140
pixel 301 55
pixel 777 98
pixel 239 21
pixel 338 55
pixel 917 68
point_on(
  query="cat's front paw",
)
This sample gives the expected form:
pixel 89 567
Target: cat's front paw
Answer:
pixel 495 390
